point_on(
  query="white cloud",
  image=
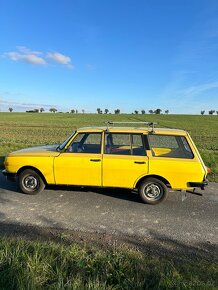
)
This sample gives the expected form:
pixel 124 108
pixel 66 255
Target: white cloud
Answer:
pixel 23 53
pixel 195 90
pixel 26 55
pixel 21 106
pixel 60 58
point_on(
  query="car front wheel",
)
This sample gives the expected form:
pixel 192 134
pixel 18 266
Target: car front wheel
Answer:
pixel 30 182
pixel 153 191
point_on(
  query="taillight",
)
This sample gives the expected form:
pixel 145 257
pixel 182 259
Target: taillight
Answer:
pixel 208 170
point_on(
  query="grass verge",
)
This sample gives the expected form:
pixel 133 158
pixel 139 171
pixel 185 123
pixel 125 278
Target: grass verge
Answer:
pixel 38 264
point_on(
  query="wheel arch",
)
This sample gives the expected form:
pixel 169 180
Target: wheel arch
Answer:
pixel 164 180
pixel 34 169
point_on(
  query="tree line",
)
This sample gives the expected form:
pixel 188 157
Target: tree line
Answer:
pixel 99 111
pixel 210 112
pixel 106 111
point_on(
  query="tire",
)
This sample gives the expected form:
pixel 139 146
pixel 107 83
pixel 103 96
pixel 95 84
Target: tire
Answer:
pixel 152 191
pixel 30 182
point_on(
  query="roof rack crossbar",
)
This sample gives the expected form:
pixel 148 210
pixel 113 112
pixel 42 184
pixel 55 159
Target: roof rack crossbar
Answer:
pixel 149 124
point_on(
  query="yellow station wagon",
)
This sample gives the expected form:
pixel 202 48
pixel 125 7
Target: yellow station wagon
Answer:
pixel 152 160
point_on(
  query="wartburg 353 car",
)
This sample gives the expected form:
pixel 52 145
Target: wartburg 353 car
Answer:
pixel 152 160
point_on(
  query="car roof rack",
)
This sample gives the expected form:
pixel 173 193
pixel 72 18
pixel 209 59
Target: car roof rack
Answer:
pixel 149 124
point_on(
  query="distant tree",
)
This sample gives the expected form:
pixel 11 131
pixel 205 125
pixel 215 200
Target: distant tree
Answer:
pixel 99 111
pixel 36 110
pixel 41 110
pixel 143 112
pixel 157 111
pixel 136 112
pixel 106 111
pixel 53 110
pixel 83 111
pixel 167 112
pixel 117 111
pixel 202 113
pixel 76 111
pixel 10 110
pixel 151 111
pixel 211 112
pixel 72 111
pixel 217 112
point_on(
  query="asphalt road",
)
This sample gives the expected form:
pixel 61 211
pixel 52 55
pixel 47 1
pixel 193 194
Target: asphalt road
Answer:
pixel 117 212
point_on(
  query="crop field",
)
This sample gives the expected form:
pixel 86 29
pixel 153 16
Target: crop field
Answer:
pixel 20 130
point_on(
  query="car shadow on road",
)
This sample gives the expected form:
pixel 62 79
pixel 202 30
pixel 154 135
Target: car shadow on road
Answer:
pixel 8 185
pixel 118 193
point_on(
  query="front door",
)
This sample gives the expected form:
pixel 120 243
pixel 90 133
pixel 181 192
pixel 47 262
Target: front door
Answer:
pixel 124 160
pixel 81 163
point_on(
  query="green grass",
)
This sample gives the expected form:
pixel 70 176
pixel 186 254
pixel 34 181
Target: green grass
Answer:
pixel 20 130
pixel 42 265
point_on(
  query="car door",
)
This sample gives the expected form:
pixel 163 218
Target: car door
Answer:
pixel 124 159
pixel 81 163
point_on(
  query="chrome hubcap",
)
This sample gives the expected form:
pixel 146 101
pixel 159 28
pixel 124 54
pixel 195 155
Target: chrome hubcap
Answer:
pixel 30 182
pixel 153 191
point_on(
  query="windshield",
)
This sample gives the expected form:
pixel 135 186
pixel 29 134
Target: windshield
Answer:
pixel 61 147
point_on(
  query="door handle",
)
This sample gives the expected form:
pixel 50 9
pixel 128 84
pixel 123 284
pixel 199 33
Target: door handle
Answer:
pixel 139 162
pixel 95 160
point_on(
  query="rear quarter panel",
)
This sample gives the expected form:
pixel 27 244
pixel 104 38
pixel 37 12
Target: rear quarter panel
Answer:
pixel 179 172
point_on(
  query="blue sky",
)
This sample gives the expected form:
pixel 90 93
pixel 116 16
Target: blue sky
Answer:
pixel 132 55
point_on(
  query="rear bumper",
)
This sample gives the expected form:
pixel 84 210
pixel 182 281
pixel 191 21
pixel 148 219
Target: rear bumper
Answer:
pixel 202 184
pixel 10 176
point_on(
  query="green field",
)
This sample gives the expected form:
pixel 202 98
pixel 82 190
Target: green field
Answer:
pixel 19 130
pixel 31 265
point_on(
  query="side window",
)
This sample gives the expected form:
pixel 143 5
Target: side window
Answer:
pixel 137 145
pixel 170 146
pixel 186 148
pixel 124 144
pixel 86 143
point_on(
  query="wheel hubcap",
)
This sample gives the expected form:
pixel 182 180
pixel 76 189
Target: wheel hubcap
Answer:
pixel 153 192
pixel 30 182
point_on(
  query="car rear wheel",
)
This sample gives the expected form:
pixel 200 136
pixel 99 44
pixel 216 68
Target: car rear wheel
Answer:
pixel 153 191
pixel 30 182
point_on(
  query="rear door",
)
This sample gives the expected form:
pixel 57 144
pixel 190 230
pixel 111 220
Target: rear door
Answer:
pixel 124 159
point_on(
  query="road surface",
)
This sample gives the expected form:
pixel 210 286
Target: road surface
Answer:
pixel 115 212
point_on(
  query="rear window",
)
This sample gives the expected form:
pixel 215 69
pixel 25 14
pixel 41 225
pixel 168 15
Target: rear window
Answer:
pixel 170 146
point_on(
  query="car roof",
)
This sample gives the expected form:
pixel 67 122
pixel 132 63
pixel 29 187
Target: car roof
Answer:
pixel 139 130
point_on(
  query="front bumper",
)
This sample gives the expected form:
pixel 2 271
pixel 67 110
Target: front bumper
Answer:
pixel 202 185
pixel 10 176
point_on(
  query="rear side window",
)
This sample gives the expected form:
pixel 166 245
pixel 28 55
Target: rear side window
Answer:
pixel 170 146
pixel 124 144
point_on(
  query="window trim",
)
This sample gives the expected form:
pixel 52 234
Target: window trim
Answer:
pixel 131 139
pixel 176 136
pixel 86 134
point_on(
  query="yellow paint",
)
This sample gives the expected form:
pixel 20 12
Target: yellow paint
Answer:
pixel 122 171
pixel 78 169
pixel 108 169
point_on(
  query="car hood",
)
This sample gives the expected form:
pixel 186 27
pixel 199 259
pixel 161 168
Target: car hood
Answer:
pixel 48 150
